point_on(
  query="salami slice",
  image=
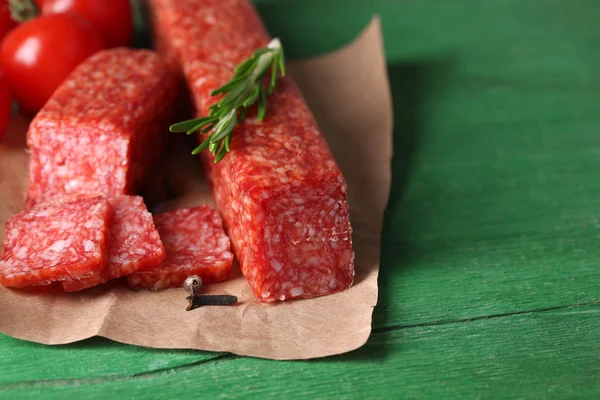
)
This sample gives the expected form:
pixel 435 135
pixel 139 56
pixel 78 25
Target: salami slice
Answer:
pixel 103 128
pixel 63 239
pixel 134 243
pixel 281 193
pixel 195 243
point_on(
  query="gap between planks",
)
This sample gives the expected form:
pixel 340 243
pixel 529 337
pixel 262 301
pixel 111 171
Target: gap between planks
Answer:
pixel 114 378
pixel 391 328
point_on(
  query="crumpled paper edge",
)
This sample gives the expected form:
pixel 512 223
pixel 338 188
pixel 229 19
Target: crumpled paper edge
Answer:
pixel 291 330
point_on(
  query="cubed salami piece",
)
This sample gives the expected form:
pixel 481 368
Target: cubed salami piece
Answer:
pixel 281 193
pixel 104 127
pixel 64 239
pixel 134 243
pixel 195 243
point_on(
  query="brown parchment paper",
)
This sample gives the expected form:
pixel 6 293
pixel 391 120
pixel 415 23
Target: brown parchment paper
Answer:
pixel 348 92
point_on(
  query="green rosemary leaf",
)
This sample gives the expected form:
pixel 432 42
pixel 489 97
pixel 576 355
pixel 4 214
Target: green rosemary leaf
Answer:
pixel 260 52
pixel 202 146
pixel 207 129
pixel 244 90
pixel 244 66
pixel 228 143
pixel 228 86
pixel 221 154
pixel 263 66
pixel 192 123
pixel 242 114
pixel 197 150
pixel 221 112
pixel 203 124
pixel 224 128
pixel 273 79
pixel 252 98
pixel 262 104
pixel 281 62
pixel 232 98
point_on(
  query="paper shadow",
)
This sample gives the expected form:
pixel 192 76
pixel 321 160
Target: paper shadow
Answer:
pixel 98 343
pixel 411 83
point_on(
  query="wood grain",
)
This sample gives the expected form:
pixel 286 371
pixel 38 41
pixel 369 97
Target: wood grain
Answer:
pixel 496 188
pixel 490 282
pixel 554 354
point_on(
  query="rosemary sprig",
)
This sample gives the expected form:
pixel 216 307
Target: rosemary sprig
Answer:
pixel 241 92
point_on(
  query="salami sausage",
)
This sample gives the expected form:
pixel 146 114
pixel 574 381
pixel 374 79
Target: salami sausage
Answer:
pixel 281 193
pixel 64 239
pixel 205 30
pixel 103 128
pixel 134 243
pixel 195 243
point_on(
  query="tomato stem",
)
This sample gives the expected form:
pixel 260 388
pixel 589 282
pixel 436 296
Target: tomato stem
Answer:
pixel 22 10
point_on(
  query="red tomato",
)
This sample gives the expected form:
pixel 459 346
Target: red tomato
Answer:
pixel 5 108
pixel 112 18
pixel 6 21
pixel 39 54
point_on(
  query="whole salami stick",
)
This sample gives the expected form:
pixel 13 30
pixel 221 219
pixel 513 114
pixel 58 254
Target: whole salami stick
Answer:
pixel 281 193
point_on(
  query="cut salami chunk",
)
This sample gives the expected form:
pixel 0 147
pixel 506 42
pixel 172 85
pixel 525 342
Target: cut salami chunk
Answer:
pixel 134 243
pixel 281 193
pixel 64 239
pixel 103 128
pixel 195 243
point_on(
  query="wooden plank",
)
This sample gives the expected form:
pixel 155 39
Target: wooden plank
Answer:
pixel 495 216
pixel 494 210
pixel 553 354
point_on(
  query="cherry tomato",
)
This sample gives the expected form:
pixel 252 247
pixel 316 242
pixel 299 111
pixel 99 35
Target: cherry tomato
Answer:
pixel 112 18
pixel 5 108
pixel 6 21
pixel 39 54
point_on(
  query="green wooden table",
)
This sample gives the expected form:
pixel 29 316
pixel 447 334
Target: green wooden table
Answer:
pixel 490 279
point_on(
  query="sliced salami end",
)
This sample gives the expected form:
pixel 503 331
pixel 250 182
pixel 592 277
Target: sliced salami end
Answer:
pixel 195 243
pixel 104 127
pixel 63 239
pixel 134 243
pixel 297 244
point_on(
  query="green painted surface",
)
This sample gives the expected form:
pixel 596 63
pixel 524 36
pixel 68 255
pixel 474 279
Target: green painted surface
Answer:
pixel 477 359
pixel 490 281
